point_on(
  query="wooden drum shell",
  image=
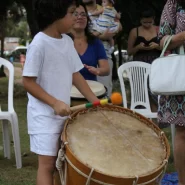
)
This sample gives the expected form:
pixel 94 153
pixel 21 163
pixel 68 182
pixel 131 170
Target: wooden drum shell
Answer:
pixel 74 178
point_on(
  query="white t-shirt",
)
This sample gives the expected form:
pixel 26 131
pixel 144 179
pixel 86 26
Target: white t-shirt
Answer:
pixel 53 62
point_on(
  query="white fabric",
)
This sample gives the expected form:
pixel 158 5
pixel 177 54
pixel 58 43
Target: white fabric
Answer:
pixel 107 80
pixel 45 144
pixel 53 62
pixel 167 73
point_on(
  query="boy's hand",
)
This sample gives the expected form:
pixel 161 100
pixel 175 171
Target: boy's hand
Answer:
pixel 60 108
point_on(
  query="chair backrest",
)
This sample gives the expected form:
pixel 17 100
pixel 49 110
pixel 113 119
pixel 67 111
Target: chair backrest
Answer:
pixel 10 68
pixel 137 73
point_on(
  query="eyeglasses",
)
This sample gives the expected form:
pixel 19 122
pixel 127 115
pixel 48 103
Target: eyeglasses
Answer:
pixel 82 14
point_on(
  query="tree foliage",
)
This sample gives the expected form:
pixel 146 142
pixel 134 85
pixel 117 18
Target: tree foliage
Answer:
pixel 130 10
pixel 10 11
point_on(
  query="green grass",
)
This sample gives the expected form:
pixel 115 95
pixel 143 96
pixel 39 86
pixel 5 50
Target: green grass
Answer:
pixel 17 64
pixel 9 175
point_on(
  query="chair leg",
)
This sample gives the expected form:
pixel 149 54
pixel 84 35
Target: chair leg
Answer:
pixel 173 135
pixel 6 139
pixel 16 139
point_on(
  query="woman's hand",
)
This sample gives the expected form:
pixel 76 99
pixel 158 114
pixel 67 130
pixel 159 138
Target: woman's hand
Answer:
pixel 141 46
pixel 92 70
pixel 107 35
pixel 154 45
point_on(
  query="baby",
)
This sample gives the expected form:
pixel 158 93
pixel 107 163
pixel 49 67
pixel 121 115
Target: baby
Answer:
pixel 108 20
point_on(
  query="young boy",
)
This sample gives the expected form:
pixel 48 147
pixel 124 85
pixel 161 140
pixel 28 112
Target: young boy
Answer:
pixel 51 66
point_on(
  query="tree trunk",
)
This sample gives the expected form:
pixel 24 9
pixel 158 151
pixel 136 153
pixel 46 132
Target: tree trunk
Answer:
pixel 2 73
pixel 28 5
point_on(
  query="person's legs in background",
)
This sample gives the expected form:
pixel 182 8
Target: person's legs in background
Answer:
pixel 179 153
pixel 107 80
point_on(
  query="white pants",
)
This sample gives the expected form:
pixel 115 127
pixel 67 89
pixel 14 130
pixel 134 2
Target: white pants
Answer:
pixel 107 80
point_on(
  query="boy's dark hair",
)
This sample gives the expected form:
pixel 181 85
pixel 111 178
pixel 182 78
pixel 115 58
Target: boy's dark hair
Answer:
pixel 48 11
pixel 146 13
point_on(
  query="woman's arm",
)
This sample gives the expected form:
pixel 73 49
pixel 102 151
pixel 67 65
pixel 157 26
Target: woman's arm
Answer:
pixel 103 68
pixel 102 62
pixel 118 15
pixel 97 12
pixel 107 35
pixel 132 50
pixel 168 25
pixel 177 40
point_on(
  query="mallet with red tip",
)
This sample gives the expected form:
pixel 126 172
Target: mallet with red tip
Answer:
pixel 115 99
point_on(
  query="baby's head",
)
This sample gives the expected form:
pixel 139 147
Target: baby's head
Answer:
pixel 107 3
pixel 48 12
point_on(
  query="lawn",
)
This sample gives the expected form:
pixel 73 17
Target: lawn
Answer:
pixel 9 175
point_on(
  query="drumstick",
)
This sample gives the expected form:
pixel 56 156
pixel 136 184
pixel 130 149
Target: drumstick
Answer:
pixel 115 99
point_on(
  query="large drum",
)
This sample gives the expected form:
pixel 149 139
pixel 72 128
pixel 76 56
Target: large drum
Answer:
pixel 77 98
pixel 111 145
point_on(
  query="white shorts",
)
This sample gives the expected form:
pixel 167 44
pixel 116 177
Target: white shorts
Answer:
pixel 45 144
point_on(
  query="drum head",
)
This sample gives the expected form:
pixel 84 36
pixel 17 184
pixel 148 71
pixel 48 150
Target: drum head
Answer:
pixel 97 88
pixel 116 144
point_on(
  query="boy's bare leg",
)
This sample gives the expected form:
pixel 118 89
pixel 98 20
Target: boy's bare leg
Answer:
pixel 179 154
pixel 45 170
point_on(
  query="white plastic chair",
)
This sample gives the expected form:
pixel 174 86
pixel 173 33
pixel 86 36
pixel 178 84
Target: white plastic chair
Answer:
pixel 137 73
pixel 10 116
